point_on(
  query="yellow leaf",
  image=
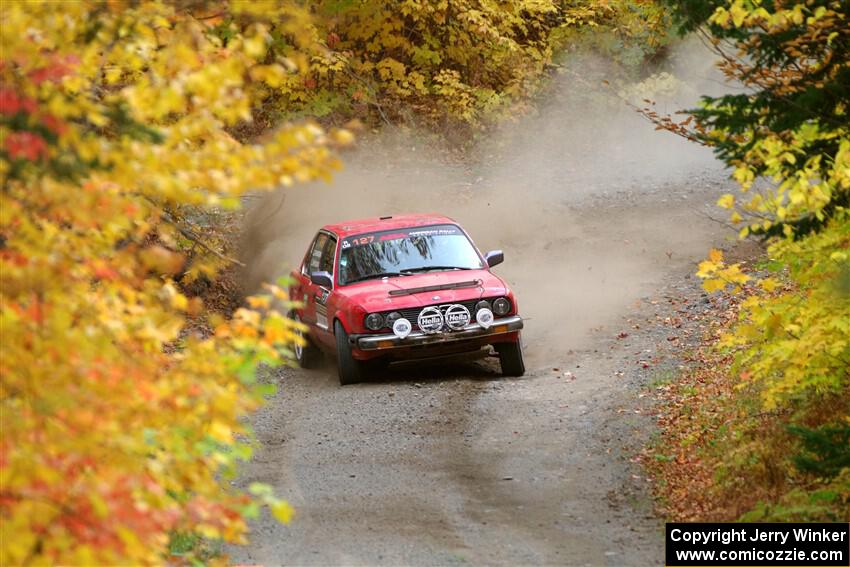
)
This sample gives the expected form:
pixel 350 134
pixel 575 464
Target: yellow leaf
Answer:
pixel 259 301
pixel 713 285
pixel 768 284
pixel 221 431
pixel 715 255
pixel 282 511
pixel 209 531
pixel 342 137
pixel 179 302
pixel 706 268
pixel 727 201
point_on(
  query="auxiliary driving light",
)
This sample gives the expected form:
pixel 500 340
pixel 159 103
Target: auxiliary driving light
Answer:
pixel 402 327
pixel 501 306
pixel 374 321
pixel 484 317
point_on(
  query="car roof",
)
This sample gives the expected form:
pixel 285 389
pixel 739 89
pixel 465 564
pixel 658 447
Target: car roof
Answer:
pixel 375 224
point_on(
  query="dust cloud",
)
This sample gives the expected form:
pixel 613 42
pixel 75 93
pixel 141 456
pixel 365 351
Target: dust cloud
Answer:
pixel 591 205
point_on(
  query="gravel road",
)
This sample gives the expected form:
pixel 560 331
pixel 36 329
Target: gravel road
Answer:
pixel 453 464
pixel 602 221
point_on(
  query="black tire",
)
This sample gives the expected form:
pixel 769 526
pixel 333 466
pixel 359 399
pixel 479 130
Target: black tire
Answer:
pixel 309 355
pixel 350 369
pixel 510 357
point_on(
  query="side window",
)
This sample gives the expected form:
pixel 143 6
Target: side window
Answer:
pixel 326 264
pixel 315 257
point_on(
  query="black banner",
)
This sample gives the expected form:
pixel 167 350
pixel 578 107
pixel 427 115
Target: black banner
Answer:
pixel 762 545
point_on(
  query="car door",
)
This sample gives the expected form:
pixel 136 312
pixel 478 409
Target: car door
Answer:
pixel 322 259
pixel 304 291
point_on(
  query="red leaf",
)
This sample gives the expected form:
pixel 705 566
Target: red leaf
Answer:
pixel 61 66
pixel 54 124
pixel 12 103
pixel 26 145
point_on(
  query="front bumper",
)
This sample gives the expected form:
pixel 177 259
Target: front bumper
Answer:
pixel 418 338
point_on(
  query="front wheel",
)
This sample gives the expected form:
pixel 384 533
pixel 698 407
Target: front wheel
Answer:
pixel 350 369
pixel 510 357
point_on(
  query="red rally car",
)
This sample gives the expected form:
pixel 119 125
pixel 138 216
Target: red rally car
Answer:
pixel 405 287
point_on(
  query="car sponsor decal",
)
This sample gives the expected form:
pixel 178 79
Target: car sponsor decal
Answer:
pixel 322 321
pixel 457 317
pixel 322 297
pixel 399 233
pixel 440 318
pixel 322 316
pixel 430 320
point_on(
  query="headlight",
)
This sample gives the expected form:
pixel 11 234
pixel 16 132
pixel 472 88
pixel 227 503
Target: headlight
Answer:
pixel 402 327
pixel 501 306
pixel 484 317
pixel 482 305
pixel 392 318
pixel 374 321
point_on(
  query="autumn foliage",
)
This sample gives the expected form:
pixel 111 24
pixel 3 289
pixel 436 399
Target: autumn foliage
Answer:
pixel 458 63
pixel 121 400
pixel 777 432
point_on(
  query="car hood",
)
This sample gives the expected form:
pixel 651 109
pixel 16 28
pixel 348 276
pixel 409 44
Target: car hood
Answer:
pixel 404 292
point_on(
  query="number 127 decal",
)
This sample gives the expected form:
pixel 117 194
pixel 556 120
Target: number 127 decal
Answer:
pixel 359 241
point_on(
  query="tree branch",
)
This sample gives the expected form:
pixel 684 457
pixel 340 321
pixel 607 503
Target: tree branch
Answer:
pixel 171 219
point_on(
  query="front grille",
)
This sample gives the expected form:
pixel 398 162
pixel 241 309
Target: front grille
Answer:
pixel 412 314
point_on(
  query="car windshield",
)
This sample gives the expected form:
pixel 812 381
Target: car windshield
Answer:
pixel 406 251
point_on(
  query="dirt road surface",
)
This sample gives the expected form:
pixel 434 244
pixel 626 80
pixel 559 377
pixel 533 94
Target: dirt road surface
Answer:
pixel 602 221
pixel 453 464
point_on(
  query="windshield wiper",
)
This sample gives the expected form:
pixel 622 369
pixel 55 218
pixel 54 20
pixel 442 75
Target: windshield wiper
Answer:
pixel 429 268
pixel 375 276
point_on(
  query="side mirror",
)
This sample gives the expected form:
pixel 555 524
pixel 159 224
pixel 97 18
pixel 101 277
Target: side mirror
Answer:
pixel 323 279
pixel 494 257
